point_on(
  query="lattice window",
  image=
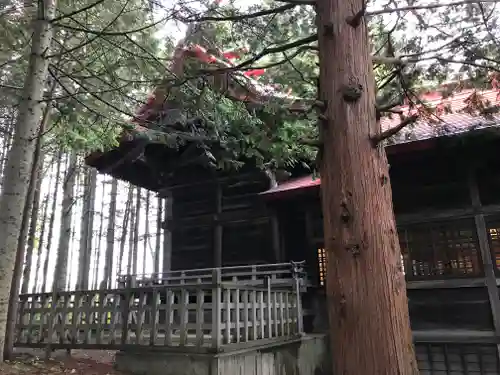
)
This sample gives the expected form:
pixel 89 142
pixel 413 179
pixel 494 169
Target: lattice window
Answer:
pixel 322 266
pixel 494 234
pixel 456 359
pixel 440 250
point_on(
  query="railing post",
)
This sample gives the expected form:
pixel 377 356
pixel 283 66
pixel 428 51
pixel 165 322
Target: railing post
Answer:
pixel 52 316
pixel 297 270
pixel 216 308
pixel 267 283
pixel 126 296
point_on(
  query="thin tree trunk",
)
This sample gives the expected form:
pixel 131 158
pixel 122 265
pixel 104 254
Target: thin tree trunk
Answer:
pixel 126 216
pixel 6 143
pixel 51 222
pixel 110 237
pixel 146 235
pixel 369 324
pixel 159 218
pixel 35 210
pixel 39 251
pixel 61 271
pixel 20 156
pixel 167 235
pixel 130 260
pixel 72 253
pixel 98 253
pixel 34 196
pixel 136 230
pixel 87 227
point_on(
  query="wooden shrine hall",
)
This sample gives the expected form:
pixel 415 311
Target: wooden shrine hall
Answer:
pixel 446 194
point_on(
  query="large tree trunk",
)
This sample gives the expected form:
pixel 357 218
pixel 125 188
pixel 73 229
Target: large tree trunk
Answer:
pixel 34 184
pixel 61 272
pixel 369 323
pixel 110 237
pixel 20 156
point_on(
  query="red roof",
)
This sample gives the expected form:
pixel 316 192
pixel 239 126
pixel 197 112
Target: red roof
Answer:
pixel 451 115
pixel 294 185
pixel 443 124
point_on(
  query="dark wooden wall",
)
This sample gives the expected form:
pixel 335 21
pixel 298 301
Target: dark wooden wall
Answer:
pixel 220 221
pixel 447 205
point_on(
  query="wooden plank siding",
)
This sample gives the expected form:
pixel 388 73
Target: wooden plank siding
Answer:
pixel 222 223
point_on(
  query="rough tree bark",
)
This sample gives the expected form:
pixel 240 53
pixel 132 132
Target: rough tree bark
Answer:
pixel 20 156
pixel 110 237
pixel 7 140
pixel 22 252
pixel 368 308
pixel 61 271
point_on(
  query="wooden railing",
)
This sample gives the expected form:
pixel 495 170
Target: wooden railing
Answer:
pixel 195 317
pixel 279 273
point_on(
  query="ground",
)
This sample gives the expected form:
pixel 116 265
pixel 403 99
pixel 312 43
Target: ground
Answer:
pixel 88 362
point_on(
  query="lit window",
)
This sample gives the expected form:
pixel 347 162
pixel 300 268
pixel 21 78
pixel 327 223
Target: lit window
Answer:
pixel 495 242
pixel 322 266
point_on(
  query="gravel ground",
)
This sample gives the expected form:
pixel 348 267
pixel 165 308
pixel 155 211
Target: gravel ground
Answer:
pixel 81 362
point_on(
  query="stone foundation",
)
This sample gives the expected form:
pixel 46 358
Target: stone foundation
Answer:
pixel 304 356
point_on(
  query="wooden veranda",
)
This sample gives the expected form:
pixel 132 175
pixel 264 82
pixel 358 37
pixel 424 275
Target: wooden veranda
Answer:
pixel 191 314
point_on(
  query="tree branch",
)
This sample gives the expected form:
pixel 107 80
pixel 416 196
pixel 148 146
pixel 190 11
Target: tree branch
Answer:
pixel 297 2
pixel 273 50
pixel 88 41
pixel 428 6
pixel 387 60
pixel 75 12
pixel 392 131
pixel 240 17
pixel 111 33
